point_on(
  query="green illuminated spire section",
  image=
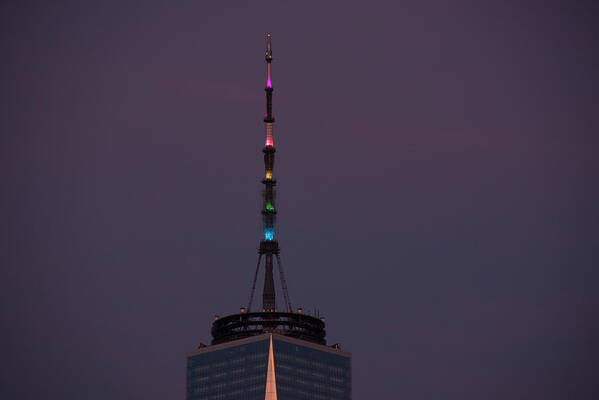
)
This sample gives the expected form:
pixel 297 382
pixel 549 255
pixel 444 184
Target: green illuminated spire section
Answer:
pixel 269 207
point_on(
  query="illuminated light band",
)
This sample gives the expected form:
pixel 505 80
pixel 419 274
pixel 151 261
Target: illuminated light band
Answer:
pixel 269 175
pixel 269 207
pixel 269 234
pixel 268 82
pixel 269 141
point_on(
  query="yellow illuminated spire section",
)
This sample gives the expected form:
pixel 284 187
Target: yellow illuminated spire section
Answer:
pixel 271 383
pixel 268 174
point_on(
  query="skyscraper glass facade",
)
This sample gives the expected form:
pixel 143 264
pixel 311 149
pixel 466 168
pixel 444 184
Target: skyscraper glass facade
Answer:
pixel 228 372
pixel 307 373
pixel 237 370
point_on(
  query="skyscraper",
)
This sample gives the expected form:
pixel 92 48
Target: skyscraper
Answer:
pixel 269 354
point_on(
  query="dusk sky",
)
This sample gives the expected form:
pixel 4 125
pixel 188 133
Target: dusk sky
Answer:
pixel 437 190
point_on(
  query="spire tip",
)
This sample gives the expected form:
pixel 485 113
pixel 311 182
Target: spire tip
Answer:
pixel 268 49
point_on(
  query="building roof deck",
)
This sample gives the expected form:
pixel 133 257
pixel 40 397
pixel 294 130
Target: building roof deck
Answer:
pixel 243 325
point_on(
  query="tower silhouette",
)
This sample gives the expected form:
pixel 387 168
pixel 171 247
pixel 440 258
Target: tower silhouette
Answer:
pixel 268 354
pixel 269 246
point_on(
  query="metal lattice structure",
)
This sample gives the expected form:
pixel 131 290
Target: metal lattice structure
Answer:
pixel 269 246
pixel 269 319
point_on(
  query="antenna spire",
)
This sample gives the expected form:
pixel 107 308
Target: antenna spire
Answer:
pixel 269 246
pixel 268 60
pixel 268 319
pixel 268 49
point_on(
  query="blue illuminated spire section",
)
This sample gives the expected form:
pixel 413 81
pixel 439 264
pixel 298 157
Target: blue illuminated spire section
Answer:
pixel 269 234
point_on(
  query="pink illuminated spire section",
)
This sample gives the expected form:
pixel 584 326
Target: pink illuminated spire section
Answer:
pixel 268 82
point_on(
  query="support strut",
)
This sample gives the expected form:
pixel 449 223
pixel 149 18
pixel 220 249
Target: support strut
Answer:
pixel 254 284
pixel 284 285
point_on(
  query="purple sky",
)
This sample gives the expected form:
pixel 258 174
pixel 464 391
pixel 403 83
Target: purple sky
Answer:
pixel 438 190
